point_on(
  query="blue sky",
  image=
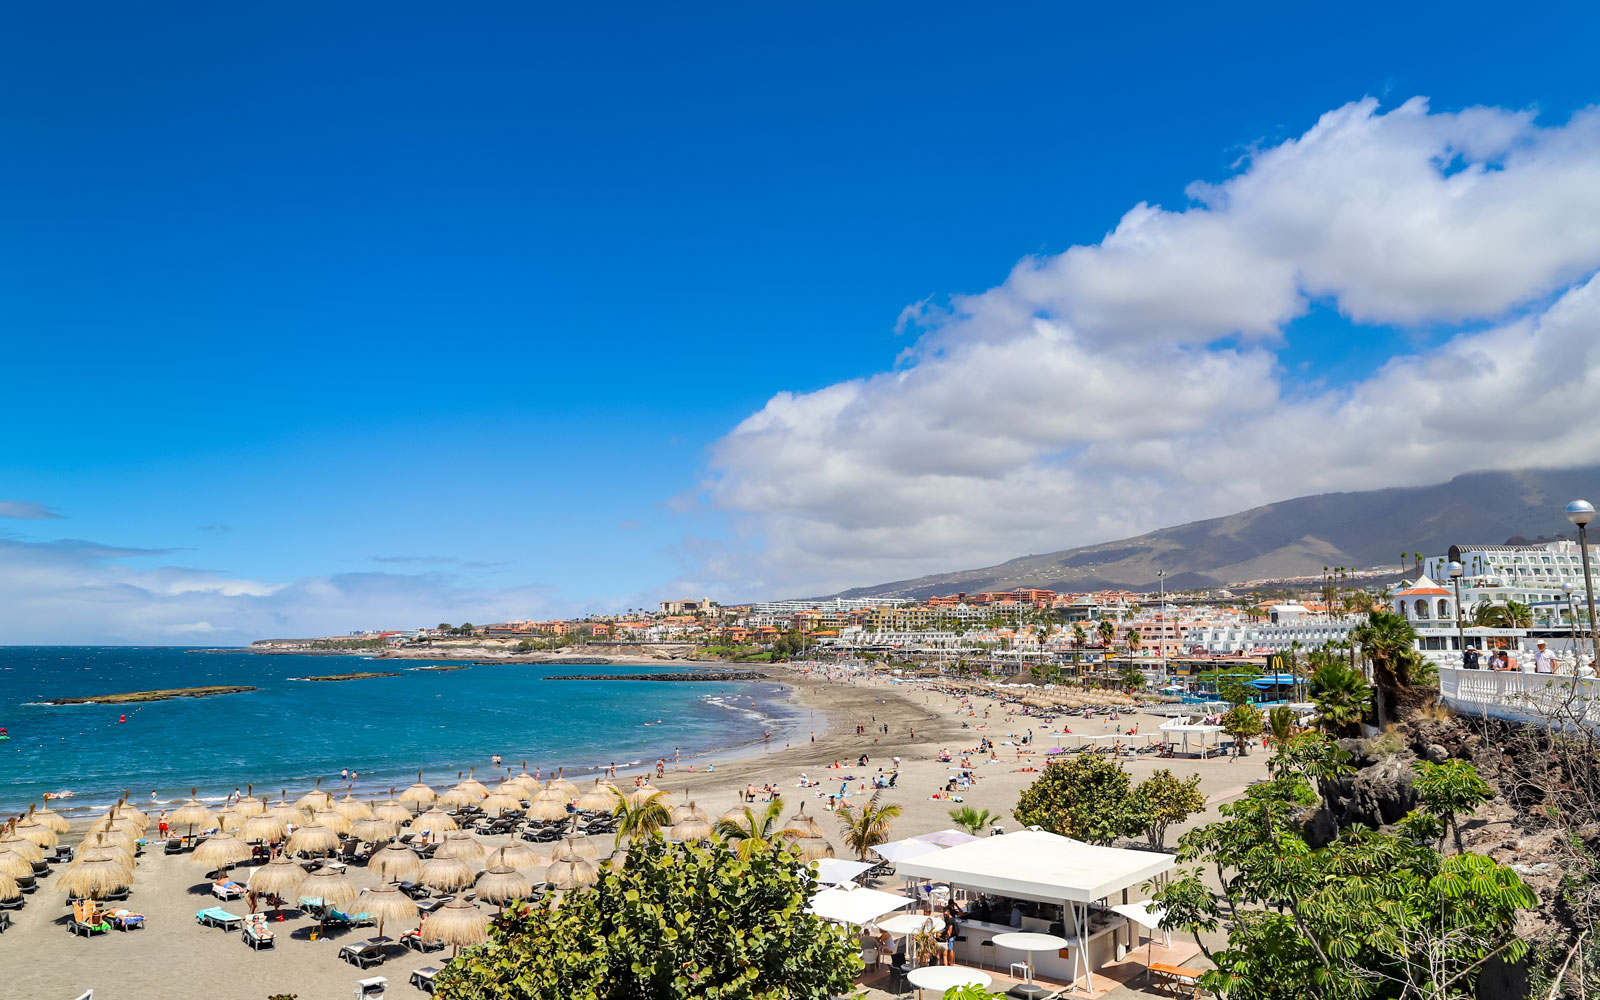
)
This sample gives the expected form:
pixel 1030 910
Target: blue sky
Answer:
pixel 463 309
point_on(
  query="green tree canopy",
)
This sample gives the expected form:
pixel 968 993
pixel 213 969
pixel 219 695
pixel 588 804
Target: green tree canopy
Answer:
pixel 680 921
pixel 1166 800
pixel 1342 697
pixel 1087 798
pixel 1242 722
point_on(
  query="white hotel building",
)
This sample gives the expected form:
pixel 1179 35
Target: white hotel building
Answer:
pixel 1529 574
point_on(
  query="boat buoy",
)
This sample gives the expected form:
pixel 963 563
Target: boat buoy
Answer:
pixel 122 718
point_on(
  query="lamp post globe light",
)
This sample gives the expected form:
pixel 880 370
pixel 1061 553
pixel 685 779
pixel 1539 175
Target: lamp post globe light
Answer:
pixel 1581 512
pixel 1455 571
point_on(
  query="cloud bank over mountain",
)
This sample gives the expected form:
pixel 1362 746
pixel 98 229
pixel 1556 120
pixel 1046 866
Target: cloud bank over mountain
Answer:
pixel 1139 382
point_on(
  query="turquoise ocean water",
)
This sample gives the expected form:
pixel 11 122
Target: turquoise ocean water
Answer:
pixel 290 732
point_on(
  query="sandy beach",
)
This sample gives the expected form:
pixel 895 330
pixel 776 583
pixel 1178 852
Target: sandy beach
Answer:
pixel 175 956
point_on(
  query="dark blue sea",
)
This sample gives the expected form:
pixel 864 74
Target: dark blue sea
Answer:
pixel 289 732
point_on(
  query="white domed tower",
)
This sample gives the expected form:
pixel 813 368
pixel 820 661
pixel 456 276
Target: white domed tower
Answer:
pixel 1425 603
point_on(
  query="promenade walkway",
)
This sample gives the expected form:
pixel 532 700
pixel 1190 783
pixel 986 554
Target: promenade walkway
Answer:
pixel 1519 696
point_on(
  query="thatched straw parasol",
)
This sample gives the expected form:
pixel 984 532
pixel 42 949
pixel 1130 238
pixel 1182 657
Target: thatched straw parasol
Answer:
pixel 396 863
pixel 192 813
pixel 566 789
pixel 332 819
pixel 683 812
pixel 286 810
pixel 568 870
pixel 282 877
pixel 18 844
pixel 313 838
pixel 736 814
pixel 500 800
pixel 801 825
pixel 102 848
pixel 445 873
pixel 598 799
pixel 352 808
pixel 229 820
pixel 8 888
pixel 94 879
pixel 582 849
pixel 520 856
pixel 644 792
pixel 128 810
pixel 249 805
pixel 49 817
pixel 457 923
pixel 31 829
pixel 120 826
pixel 373 829
pixel 391 810
pixel 315 799
pixel 455 798
pixel 812 848
pixel 547 807
pixel 461 844
pixel 692 827
pixel 331 886
pixel 265 827
pixel 386 903
pixel 619 859
pixel 220 850
pixel 419 794
pixel 15 865
pixel 472 784
pixel 435 823
pixel 502 884
pixel 524 784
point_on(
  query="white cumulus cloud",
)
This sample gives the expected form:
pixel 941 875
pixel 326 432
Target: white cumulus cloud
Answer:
pixel 1134 383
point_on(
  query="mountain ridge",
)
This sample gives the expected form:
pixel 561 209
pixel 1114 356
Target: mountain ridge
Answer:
pixel 1297 537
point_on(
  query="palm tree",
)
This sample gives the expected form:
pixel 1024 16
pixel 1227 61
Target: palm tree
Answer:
pixel 641 819
pixel 1135 640
pixel 974 821
pixel 1341 695
pixel 755 831
pixel 864 830
pixel 1388 641
pixel 1280 724
pixel 1106 630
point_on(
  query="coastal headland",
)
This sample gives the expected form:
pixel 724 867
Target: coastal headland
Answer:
pixel 349 677
pixel 133 697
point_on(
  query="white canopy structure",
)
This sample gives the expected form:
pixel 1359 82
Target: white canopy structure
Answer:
pixel 1181 727
pixel 896 851
pixel 946 838
pixel 1032 864
pixel 855 906
pixel 834 871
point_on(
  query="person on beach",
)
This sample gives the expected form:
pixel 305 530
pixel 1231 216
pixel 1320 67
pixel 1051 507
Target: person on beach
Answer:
pixel 161 824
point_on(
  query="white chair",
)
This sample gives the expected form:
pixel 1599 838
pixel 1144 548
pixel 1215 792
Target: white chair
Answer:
pixel 1026 972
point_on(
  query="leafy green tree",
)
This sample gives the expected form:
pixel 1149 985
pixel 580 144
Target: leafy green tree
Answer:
pixel 1450 790
pixel 755 831
pixel 641 819
pixel 1242 722
pixel 974 821
pixel 679 922
pixel 1166 800
pixel 1280 724
pixel 1373 915
pixel 1087 798
pixel 1342 696
pixel 865 828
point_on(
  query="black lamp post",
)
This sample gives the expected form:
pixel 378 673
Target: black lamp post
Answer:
pixel 1461 635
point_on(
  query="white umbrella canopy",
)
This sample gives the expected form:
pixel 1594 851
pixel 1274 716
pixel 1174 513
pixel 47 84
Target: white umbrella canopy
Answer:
pixel 352 808
pixel 435 823
pixel 220 850
pixel 446 874
pixel 396 863
pixel 461 844
pixel 313 838
pixel 385 903
pixel 419 794
pixel 457 923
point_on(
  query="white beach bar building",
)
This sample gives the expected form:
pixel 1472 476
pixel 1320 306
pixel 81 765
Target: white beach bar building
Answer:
pixel 1046 868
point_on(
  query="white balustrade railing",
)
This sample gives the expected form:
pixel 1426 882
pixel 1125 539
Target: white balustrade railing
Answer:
pixel 1522 696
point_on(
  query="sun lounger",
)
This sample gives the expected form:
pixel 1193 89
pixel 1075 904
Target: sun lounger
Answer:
pixel 87 919
pixel 255 932
pixel 174 846
pixel 14 903
pixel 422 979
pixel 5 921
pixel 117 895
pixel 227 890
pixel 27 883
pixel 413 939
pixel 123 920
pixel 216 916
pixel 41 868
pixel 371 988
pixel 414 890
pixel 336 916
pixel 429 905
pixel 363 955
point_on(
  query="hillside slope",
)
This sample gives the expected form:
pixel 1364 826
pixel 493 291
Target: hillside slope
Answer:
pixel 1292 538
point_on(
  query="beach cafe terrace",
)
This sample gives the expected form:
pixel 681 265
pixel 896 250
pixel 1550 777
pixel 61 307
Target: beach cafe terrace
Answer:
pixel 1043 868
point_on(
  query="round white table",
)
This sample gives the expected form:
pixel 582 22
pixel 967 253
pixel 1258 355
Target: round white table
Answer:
pixel 943 977
pixel 910 923
pixel 1028 943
